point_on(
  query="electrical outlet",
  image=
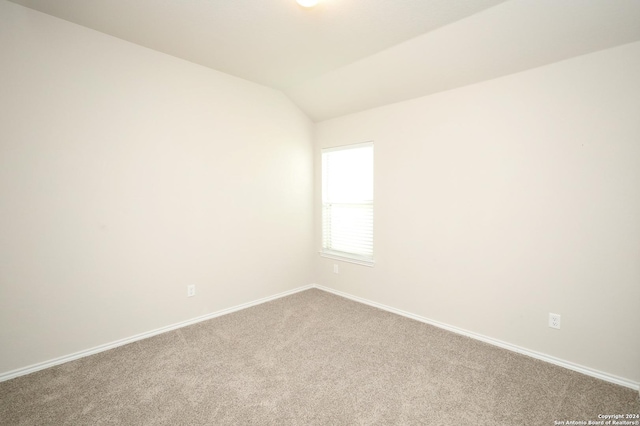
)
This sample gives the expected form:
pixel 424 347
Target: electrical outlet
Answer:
pixel 554 320
pixel 335 268
pixel 191 290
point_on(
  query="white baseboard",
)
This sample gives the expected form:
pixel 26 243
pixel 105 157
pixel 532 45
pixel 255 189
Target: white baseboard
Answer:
pixel 66 358
pixel 533 354
pixel 543 357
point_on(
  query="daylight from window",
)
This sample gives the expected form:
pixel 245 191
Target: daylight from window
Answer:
pixel 347 202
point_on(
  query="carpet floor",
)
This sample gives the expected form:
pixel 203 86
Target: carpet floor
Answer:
pixel 311 358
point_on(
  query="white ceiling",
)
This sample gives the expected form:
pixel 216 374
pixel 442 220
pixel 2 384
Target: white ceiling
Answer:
pixel 511 37
pixel 272 42
pixel 349 55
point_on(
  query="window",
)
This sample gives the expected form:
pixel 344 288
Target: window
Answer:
pixel 347 203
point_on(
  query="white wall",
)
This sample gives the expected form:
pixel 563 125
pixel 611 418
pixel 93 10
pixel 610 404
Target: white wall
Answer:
pixel 500 202
pixel 126 174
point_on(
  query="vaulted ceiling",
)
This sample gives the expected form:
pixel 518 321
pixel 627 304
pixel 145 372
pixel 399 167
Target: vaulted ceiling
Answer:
pixel 345 56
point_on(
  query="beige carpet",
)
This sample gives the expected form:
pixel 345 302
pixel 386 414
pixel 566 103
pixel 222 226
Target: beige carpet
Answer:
pixel 310 358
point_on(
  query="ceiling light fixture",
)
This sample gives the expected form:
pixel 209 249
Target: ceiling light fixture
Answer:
pixel 307 3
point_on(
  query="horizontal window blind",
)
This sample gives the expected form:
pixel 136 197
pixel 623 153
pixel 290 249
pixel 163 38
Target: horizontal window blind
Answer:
pixel 347 201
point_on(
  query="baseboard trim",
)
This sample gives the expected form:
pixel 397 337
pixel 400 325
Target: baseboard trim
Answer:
pixel 101 348
pixel 533 354
pixel 537 355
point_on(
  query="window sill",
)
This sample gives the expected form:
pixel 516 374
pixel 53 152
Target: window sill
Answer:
pixel 331 255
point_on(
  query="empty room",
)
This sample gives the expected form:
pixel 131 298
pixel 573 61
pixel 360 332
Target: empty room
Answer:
pixel 320 212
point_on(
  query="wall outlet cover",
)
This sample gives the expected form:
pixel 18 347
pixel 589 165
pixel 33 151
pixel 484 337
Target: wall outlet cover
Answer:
pixel 554 320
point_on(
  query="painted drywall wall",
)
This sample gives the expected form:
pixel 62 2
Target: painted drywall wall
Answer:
pixel 126 175
pixel 500 202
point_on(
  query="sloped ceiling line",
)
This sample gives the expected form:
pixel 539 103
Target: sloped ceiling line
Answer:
pixel 346 56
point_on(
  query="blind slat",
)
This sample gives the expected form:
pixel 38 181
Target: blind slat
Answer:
pixel 347 195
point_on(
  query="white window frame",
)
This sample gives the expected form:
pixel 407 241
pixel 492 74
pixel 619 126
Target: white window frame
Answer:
pixel 340 255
